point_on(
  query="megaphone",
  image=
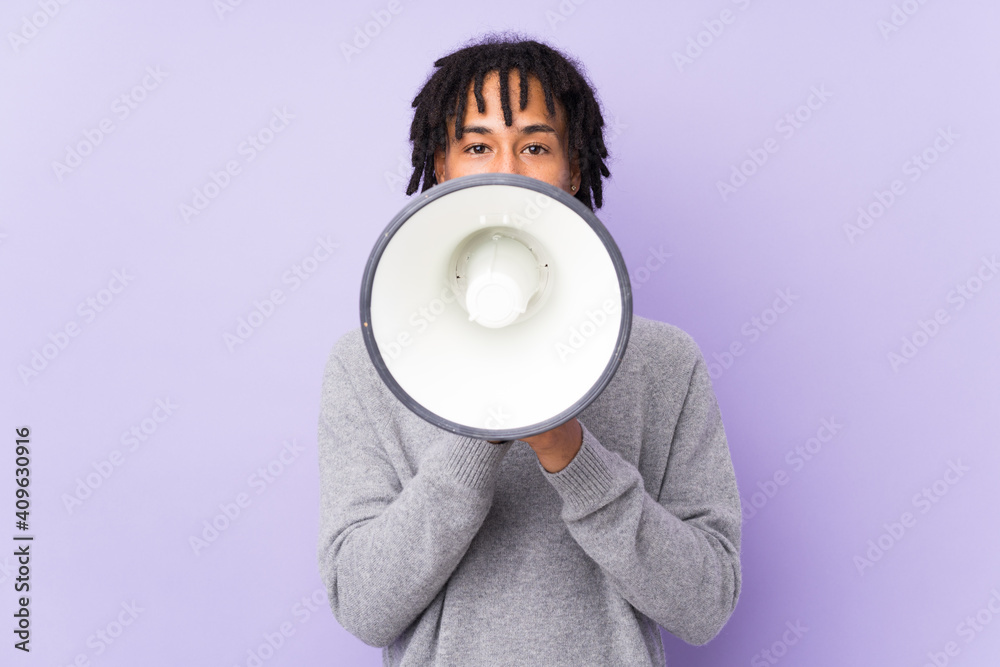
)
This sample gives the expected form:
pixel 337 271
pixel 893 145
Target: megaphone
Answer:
pixel 496 306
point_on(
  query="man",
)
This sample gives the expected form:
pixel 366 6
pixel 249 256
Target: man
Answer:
pixel 565 548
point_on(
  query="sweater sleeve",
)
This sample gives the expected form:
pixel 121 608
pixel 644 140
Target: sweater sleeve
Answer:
pixel 387 548
pixel 675 558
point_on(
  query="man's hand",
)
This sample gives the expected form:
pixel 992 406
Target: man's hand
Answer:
pixel 556 448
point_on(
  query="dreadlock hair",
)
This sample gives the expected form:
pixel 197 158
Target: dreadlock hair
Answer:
pixel 446 90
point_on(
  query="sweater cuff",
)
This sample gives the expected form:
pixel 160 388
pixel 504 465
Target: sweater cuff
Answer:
pixel 587 480
pixel 472 462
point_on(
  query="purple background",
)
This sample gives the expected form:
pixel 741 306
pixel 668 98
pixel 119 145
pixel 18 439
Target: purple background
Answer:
pixel 677 129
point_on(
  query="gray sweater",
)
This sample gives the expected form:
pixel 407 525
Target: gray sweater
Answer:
pixel 449 550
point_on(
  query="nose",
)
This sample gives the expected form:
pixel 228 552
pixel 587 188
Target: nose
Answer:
pixel 505 162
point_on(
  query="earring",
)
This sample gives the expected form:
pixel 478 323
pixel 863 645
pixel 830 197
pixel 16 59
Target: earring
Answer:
pixel 573 188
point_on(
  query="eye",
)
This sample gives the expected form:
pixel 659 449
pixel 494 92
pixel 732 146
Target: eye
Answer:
pixel 541 150
pixel 474 149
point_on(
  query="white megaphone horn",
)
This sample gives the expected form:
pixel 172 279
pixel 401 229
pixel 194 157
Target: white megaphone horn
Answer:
pixel 496 306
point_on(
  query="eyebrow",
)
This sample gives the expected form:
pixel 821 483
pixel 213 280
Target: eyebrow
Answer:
pixel 528 129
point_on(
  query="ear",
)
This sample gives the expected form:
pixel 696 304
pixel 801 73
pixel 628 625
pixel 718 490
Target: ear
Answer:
pixel 574 171
pixel 440 175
